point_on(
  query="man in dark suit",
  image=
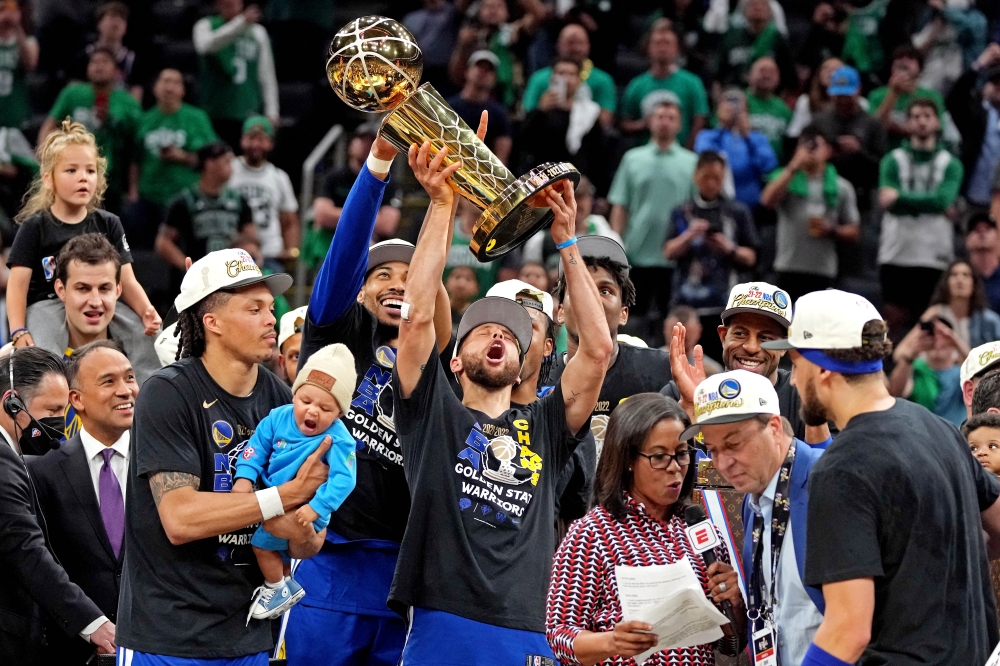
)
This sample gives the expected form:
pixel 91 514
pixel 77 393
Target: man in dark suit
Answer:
pixel 37 586
pixel 80 486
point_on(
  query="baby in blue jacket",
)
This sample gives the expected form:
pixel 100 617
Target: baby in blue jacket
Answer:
pixel 283 440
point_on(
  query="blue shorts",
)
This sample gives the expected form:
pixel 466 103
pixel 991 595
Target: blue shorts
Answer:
pixel 321 637
pixel 128 657
pixel 267 541
pixel 441 639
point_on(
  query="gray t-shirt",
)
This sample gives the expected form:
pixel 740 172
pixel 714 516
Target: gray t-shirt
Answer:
pixel 797 250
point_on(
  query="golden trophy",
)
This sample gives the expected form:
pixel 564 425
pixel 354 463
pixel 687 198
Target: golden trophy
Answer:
pixel 375 66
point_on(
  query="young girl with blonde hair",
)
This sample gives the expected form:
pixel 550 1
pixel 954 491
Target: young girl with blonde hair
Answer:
pixel 64 202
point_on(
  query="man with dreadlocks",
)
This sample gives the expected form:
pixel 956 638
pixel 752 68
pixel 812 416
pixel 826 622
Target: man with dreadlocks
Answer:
pixel 190 569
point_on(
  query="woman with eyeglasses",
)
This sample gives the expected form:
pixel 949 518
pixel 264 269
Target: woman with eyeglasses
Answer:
pixel 644 481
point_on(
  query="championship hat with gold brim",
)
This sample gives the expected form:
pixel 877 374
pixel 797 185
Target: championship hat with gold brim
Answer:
pixel 729 397
pixel 759 298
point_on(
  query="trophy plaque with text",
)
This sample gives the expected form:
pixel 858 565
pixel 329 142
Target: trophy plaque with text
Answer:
pixel 375 66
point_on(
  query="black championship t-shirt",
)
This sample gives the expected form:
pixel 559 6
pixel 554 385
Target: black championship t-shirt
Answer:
pixel 636 370
pixel 788 401
pixel 897 497
pixel 380 502
pixel 42 235
pixel 191 600
pixel 479 541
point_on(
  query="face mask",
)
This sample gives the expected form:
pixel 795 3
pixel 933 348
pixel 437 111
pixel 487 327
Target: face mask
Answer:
pixel 41 435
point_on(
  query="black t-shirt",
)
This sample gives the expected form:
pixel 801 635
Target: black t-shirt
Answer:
pixel 380 502
pixel 337 185
pixel 788 401
pixel 42 235
pixel 897 497
pixel 191 600
pixel 479 541
pixel 636 370
pixel 205 223
pixel 470 112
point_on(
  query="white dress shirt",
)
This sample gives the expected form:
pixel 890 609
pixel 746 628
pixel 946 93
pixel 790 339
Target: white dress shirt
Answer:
pixel 119 462
pixel 795 613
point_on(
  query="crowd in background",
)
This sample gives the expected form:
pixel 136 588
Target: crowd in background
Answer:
pixel 846 143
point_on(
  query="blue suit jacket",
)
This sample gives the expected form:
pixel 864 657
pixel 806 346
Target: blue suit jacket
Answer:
pixel 805 457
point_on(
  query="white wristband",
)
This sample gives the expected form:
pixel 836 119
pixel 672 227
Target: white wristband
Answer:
pixel 270 503
pixel 404 311
pixel 375 165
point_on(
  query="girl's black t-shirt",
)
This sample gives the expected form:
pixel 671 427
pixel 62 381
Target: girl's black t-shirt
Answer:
pixel 40 237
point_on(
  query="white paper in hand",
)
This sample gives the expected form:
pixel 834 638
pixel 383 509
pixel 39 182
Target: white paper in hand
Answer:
pixel 669 597
pixel 994 659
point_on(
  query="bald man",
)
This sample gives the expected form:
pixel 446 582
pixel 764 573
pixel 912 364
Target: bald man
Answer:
pixel 574 44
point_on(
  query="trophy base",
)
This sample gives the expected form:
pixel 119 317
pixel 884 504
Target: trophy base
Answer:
pixel 512 218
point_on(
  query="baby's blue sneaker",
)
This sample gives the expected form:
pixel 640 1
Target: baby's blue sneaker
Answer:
pixel 269 602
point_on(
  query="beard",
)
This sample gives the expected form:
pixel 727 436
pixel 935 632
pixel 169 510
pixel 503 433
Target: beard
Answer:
pixel 478 373
pixel 812 410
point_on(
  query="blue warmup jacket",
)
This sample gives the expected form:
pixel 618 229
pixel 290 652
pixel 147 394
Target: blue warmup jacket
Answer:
pixel 278 448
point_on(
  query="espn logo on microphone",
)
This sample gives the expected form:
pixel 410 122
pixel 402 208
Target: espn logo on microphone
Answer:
pixel 702 536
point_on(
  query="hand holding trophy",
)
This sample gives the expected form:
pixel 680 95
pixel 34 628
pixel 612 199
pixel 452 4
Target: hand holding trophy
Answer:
pixel 375 66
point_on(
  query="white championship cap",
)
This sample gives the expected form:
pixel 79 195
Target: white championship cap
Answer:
pixel 225 269
pixel 517 290
pixel 979 359
pixel 166 345
pixel 292 322
pixel 729 397
pixel 829 320
pixel 759 298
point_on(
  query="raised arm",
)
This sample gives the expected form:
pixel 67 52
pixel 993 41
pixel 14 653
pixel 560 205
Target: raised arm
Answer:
pixel 584 374
pixel 416 331
pixel 343 271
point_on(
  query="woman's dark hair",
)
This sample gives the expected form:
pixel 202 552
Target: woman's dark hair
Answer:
pixel 628 428
pixel 942 293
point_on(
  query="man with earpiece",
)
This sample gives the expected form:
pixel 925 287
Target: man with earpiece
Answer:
pixel 35 583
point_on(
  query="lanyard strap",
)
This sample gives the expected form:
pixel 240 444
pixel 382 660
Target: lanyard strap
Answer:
pixel 780 512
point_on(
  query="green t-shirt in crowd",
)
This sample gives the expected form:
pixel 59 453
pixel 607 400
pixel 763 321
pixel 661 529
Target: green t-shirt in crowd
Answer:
pixel 228 80
pixel 650 183
pixel 862 46
pixel 877 96
pixel 770 117
pixel 682 87
pixel 14 106
pixel 602 87
pixel 114 132
pixel 188 129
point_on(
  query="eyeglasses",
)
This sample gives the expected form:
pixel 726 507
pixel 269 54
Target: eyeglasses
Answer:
pixel 662 460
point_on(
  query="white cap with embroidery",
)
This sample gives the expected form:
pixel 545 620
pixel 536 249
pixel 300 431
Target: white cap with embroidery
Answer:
pixel 225 269
pixel 729 397
pixel 979 359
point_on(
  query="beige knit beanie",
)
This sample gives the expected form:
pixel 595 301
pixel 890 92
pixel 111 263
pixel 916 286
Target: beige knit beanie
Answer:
pixel 331 369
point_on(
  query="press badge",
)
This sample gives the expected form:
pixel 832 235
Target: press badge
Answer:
pixel 538 660
pixel 764 651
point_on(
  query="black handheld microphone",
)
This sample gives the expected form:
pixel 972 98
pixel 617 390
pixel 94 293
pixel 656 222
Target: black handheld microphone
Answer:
pixel 695 516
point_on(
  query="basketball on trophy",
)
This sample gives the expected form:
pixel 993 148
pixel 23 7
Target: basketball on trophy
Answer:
pixel 374 64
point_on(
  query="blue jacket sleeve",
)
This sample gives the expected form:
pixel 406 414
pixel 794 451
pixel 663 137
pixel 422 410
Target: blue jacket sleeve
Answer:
pixel 342 459
pixel 761 154
pixel 343 271
pixel 707 140
pixel 252 461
